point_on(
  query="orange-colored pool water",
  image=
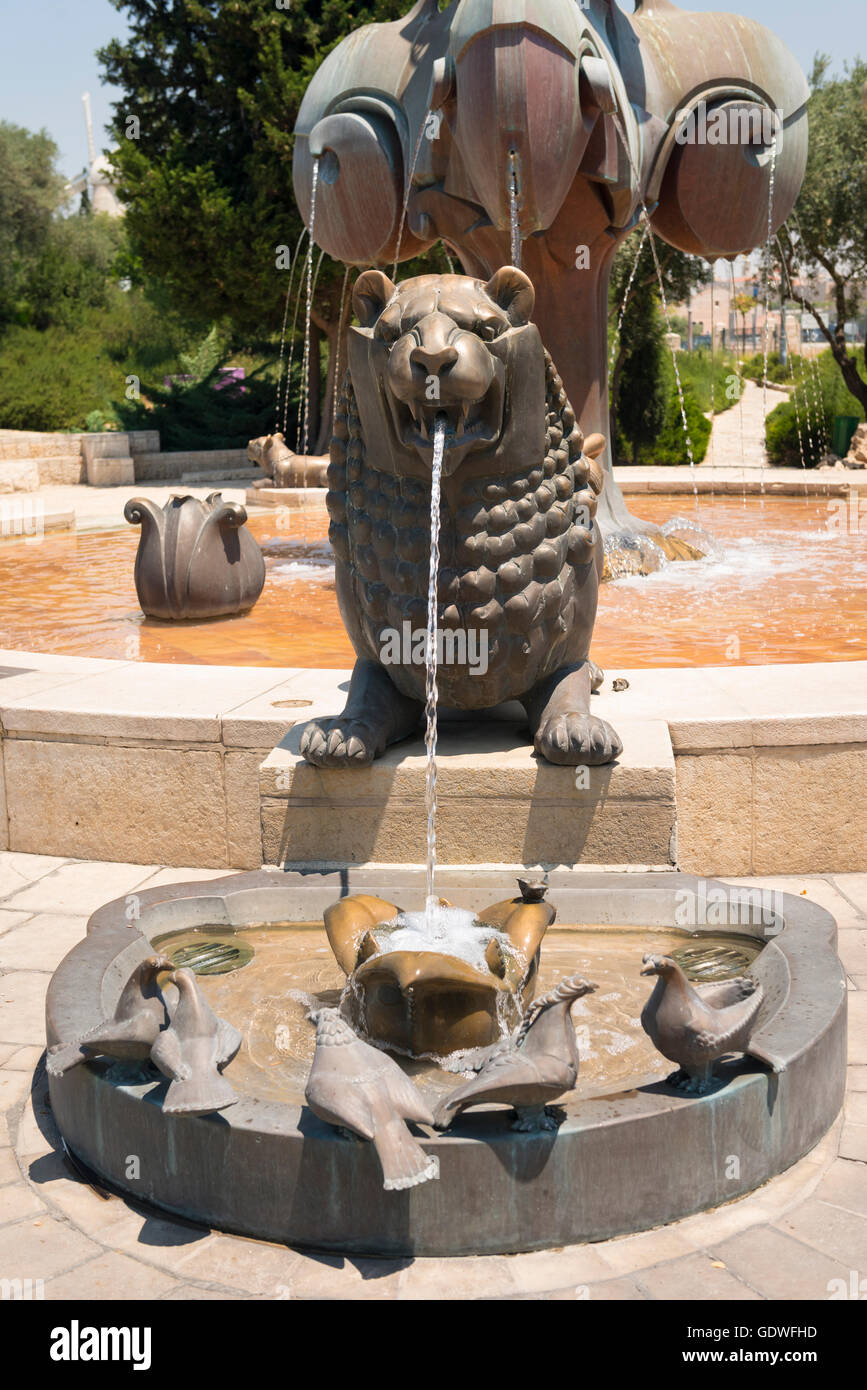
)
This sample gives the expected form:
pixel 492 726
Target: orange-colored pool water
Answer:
pixel 790 585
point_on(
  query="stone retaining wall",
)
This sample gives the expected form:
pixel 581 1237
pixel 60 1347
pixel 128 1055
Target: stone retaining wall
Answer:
pixel 755 770
pixel 152 467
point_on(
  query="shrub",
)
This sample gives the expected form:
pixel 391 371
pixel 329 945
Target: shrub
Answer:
pixel 778 371
pixel 820 395
pixel 670 446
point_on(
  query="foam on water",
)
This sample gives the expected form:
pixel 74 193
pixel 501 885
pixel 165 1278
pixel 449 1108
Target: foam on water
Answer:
pixel 304 569
pixel 448 931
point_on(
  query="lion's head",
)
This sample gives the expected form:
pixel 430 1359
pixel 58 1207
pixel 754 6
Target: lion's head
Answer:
pixel 452 347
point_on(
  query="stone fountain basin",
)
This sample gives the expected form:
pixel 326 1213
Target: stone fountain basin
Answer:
pixel 618 1163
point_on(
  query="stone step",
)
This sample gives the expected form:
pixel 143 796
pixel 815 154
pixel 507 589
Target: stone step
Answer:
pixel 497 802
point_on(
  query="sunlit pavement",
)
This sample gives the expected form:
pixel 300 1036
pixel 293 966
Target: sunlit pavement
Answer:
pixel 792 1239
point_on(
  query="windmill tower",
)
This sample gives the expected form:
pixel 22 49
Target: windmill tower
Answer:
pixel 96 177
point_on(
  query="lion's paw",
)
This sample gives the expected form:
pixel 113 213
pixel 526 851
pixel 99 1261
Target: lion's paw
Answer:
pixel 342 742
pixel 577 740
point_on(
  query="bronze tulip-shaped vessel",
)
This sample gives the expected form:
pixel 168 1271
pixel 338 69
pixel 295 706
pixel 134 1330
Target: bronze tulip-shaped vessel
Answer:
pixel 195 559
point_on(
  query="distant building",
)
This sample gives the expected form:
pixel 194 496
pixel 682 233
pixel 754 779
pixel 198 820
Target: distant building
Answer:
pixel 96 179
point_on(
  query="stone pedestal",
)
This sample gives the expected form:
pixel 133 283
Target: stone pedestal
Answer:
pixel 497 803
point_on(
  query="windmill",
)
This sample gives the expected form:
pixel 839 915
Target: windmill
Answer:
pixel 96 178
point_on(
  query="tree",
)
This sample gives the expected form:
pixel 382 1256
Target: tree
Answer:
pixel 643 402
pixel 30 191
pixel 638 385
pixel 74 269
pixel 828 232
pixel 205 168
pixel 744 304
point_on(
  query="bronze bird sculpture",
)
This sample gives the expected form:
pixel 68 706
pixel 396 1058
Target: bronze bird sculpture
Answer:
pixel 531 1071
pixel 694 1025
pixel 132 1030
pixel 192 1050
pixel 362 1090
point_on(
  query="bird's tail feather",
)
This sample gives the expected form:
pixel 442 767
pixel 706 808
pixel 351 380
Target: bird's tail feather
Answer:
pixel 62 1056
pixel 199 1096
pixel 404 1161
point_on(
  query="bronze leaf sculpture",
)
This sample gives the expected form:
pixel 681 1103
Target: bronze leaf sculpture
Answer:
pixel 195 559
pixel 520 553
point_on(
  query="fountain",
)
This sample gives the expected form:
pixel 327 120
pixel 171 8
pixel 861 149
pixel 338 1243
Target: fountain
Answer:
pixel 412 1081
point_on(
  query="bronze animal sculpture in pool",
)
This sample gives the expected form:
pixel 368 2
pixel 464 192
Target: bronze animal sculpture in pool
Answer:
pixel 520 552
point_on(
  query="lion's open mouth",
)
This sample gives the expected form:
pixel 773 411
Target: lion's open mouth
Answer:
pixel 470 425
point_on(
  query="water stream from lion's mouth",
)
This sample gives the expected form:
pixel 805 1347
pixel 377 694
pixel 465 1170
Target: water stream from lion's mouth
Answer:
pixel 431 693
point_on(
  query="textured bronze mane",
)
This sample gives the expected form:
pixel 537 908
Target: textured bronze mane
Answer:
pixel 509 549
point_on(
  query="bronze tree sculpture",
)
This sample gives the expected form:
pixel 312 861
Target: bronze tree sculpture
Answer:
pixel 573 114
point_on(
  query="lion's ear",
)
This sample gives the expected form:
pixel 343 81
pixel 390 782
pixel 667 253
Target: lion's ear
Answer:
pixel 513 291
pixel 370 294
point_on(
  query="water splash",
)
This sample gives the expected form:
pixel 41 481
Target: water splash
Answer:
pixel 305 380
pixel 689 450
pixel 449 931
pixel 822 437
pixel 713 371
pixel 305 365
pixel 431 692
pixel 767 333
pixel 408 190
pixel 283 387
pixel 789 357
pixel 626 294
pixel 740 378
pixel 514 229
pixel 336 384
pixel 292 339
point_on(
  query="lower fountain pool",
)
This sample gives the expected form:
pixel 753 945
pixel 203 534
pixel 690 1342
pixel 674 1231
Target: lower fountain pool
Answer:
pixel 292 971
pixel 790 580
pixel 628 1150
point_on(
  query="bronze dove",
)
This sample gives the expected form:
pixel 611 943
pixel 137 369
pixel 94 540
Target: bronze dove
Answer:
pixel 192 1050
pixel 533 1070
pixel 361 1089
pixel 693 1025
pixel 131 1032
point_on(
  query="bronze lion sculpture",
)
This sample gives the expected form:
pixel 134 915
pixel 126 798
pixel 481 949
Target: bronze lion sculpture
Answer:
pixel 520 551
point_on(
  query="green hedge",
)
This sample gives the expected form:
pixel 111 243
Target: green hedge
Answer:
pixel 818 402
pixel 670 446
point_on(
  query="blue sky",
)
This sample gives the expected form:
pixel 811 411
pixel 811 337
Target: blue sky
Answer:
pixel 47 55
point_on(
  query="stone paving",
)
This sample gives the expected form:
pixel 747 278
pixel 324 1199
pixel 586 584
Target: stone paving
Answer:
pixel 789 1240
pixel 738 436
